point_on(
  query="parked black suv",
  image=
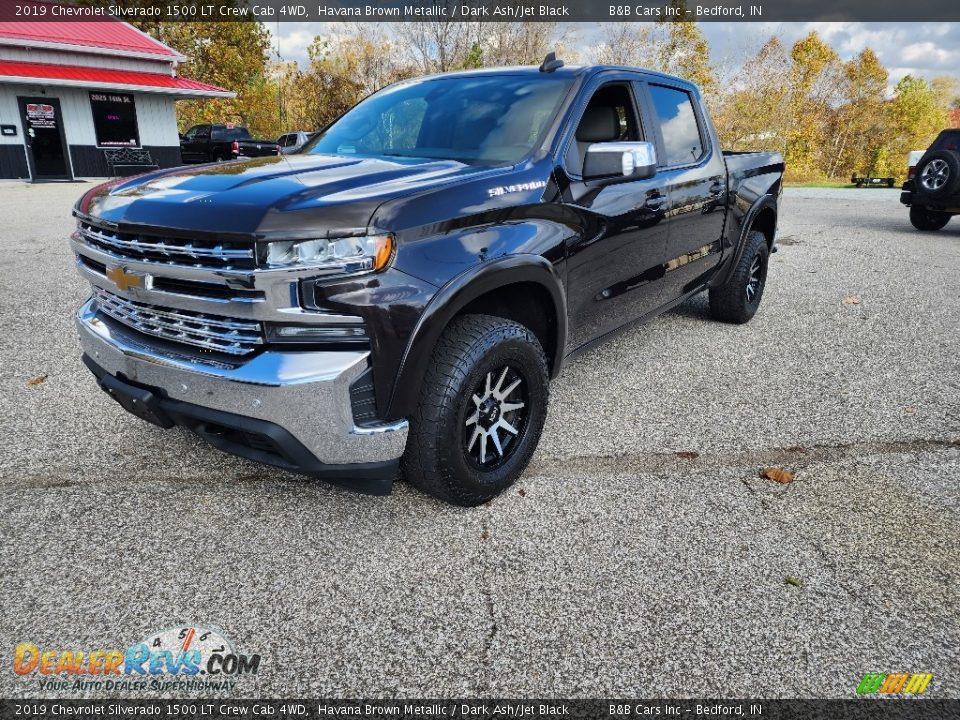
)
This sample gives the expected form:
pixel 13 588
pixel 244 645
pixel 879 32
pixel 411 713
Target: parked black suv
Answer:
pixel 405 287
pixel 933 194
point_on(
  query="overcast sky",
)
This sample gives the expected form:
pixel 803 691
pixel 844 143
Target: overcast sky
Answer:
pixel 924 49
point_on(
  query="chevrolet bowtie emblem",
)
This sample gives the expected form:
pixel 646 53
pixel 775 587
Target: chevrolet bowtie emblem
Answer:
pixel 122 279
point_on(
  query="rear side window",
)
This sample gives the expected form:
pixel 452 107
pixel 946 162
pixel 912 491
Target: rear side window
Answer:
pixel 682 140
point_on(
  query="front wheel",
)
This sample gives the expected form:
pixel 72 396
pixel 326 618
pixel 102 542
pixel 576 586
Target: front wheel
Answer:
pixel 481 410
pixel 928 220
pixel 739 297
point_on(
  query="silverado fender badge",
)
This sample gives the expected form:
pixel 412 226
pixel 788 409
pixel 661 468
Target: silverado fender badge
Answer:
pixel 519 187
pixel 122 279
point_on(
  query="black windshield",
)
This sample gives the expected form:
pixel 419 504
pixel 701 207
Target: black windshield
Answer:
pixel 483 119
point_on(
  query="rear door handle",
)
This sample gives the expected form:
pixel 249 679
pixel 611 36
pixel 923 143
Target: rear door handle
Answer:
pixel 716 190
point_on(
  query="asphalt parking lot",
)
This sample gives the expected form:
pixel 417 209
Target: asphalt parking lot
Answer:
pixel 641 554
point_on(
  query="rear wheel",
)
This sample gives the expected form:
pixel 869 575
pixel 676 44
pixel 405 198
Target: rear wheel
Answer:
pixel 481 410
pixel 927 220
pixel 739 297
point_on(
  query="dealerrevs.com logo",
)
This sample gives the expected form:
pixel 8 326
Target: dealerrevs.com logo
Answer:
pixel 897 683
pixel 178 658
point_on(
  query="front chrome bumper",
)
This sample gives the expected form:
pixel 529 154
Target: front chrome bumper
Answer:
pixel 305 393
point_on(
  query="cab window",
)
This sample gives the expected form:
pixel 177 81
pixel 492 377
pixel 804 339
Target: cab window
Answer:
pixel 682 139
pixel 608 117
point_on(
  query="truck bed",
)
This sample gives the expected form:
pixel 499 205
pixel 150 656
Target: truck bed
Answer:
pixel 752 174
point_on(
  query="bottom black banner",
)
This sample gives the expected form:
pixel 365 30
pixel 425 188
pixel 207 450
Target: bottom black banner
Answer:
pixel 868 709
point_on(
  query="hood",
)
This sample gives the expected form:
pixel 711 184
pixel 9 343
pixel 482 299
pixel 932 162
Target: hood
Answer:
pixel 287 195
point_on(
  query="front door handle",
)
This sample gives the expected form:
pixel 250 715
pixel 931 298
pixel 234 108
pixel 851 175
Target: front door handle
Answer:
pixel 655 202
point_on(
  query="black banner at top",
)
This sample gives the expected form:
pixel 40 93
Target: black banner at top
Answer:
pixel 489 709
pixel 577 11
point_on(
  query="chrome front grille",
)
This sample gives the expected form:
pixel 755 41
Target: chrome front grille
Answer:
pixel 172 251
pixel 210 332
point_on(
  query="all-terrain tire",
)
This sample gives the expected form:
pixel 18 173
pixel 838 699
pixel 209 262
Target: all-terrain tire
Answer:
pixel 471 350
pixel 928 220
pixel 938 174
pixel 737 300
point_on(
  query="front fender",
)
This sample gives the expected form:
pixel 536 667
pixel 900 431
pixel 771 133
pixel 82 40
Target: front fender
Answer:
pixel 456 295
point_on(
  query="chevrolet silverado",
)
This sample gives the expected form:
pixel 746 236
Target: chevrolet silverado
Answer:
pixel 396 298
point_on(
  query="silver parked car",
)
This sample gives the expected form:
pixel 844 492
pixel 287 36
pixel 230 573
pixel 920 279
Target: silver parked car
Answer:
pixel 291 142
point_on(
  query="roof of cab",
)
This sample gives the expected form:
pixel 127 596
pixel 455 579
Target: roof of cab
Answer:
pixel 565 71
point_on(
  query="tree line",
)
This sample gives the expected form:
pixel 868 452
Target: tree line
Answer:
pixel 830 118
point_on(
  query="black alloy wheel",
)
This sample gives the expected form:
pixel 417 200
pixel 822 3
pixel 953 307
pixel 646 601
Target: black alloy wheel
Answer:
pixel 496 418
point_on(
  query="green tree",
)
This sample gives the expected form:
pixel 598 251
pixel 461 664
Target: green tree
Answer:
pixel 947 88
pixel 683 50
pixel 521 43
pixel 815 79
pixel 860 122
pixel 231 55
pixel 753 113
pixel 916 115
pixel 672 46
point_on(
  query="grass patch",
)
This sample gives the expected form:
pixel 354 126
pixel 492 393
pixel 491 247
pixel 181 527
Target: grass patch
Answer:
pixel 820 184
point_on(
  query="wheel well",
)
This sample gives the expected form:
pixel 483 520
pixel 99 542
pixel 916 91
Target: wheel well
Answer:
pixel 527 303
pixel 765 222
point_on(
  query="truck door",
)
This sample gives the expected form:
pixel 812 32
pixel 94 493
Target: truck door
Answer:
pixel 615 266
pixel 695 176
pixel 194 145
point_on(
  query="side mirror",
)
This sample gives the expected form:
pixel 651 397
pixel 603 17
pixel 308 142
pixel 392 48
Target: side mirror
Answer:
pixel 620 161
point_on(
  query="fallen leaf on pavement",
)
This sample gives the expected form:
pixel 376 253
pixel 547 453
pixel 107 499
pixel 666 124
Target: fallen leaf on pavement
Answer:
pixel 37 380
pixel 784 477
pixel 521 492
pixel 910 410
pixel 687 455
pixel 795 581
pixel 851 300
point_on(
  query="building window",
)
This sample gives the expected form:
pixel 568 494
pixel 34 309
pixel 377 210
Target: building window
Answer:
pixel 114 119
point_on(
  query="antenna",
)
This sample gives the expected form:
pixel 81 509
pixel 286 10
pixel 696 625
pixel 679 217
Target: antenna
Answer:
pixel 550 63
pixel 280 83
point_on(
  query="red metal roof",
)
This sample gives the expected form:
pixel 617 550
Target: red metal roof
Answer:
pixel 103 35
pixel 104 78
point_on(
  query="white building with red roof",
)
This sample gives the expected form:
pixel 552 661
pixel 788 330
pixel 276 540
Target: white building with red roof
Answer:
pixel 71 90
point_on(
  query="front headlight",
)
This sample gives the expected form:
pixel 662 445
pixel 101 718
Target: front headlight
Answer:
pixel 346 255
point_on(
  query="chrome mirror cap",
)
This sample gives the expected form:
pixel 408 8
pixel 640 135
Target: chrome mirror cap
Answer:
pixel 633 160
